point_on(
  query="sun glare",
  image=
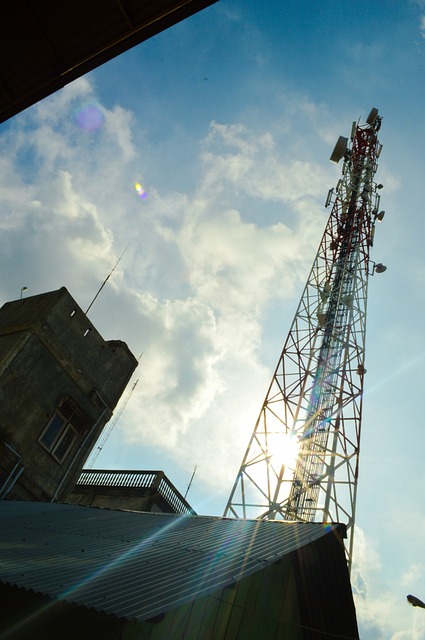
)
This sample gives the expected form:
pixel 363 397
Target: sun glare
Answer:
pixel 283 449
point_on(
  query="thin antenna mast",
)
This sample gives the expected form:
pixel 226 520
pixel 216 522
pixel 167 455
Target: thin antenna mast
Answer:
pixel 109 429
pixel 190 482
pixel 106 279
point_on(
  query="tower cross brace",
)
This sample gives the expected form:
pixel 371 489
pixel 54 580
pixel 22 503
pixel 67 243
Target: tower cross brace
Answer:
pixel 303 456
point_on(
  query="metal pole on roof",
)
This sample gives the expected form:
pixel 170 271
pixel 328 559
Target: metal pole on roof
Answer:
pixel 106 280
pixel 190 482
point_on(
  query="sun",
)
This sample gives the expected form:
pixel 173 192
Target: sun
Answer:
pixel 283 450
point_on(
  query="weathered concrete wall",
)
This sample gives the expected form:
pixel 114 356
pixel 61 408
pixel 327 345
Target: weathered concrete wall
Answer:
pixel 50 352
pixel 118 500
pixel 148 499
pixel 134 490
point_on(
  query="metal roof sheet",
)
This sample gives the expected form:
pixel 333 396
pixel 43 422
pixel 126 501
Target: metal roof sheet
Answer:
pixel 136 565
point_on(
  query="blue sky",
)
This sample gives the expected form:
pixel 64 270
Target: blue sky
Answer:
pixel 227 120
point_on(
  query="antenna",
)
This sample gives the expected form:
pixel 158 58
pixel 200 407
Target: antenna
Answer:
pixel 108 430
pixel 303 457
pixel 190 482
pixel 106 279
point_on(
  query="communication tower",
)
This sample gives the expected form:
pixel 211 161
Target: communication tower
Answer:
pixel 302 460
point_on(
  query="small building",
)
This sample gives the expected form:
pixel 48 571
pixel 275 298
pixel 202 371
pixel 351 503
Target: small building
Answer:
pixel 129 490
pixel 69 571
pixel 59 384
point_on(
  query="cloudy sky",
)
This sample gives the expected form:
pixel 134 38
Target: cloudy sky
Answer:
pixel 202 154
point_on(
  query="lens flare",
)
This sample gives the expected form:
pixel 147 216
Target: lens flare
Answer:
pixel 142 193
pixel 90 117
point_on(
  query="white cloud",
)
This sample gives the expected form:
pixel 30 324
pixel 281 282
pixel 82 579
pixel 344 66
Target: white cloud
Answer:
pixel 179 379
pixel 192 290
pixel 233 264
pixel 413 573
pixel 118 124
pixel 382 609
pixel 422 26
pixel 249 162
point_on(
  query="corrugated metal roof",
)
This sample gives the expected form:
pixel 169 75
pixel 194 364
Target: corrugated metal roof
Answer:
pixel 135 565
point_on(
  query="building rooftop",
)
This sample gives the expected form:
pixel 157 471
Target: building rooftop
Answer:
pixel 140 565
pixel 115 484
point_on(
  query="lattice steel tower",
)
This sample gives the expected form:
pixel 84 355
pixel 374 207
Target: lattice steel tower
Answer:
pixel 302 459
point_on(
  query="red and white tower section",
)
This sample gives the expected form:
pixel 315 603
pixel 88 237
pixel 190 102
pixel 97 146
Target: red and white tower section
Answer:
pixel 303 457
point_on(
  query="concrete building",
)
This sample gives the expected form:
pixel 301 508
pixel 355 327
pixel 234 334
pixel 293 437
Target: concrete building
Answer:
pixel 130 490
pixel 59 383
pixel 69 572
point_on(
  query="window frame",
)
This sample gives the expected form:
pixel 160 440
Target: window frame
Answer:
pixel 72 425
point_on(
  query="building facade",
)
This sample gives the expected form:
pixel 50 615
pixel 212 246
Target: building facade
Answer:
pixel 59 383
pixel 126 489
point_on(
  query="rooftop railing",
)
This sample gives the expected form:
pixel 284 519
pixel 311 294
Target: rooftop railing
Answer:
pixel 136 480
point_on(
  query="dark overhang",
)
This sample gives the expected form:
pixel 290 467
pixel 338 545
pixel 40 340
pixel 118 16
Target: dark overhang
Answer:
pixel 45 44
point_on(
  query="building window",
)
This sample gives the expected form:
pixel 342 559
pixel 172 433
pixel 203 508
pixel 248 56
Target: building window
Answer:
pixel 62 431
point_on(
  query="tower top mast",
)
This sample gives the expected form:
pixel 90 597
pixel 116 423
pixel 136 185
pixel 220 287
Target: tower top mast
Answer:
pixel 303 457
